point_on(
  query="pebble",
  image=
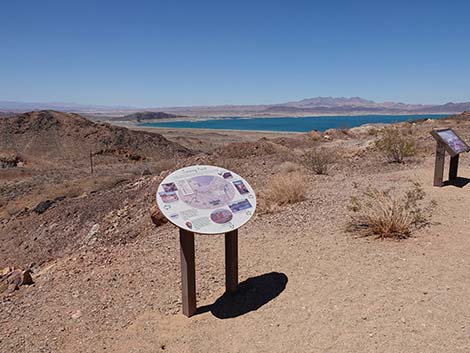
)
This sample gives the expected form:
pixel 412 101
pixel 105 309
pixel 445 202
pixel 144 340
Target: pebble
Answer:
pixel 76 315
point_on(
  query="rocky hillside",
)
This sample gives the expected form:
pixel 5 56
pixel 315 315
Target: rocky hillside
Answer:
pixel 88 264
pixel 6 114
pixel 465 116
pixel 55 136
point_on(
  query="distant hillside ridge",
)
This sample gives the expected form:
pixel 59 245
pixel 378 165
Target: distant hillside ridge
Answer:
pixel 322 106
pixel 304 107
pixel 6 114
pixel 52 136
pixel 147 115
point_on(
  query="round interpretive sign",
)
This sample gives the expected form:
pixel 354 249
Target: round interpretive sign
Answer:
pixel 206 199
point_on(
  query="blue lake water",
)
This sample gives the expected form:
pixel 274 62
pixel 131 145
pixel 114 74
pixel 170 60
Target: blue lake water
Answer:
pixel 301 124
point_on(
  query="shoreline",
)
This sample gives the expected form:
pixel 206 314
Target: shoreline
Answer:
pixel 207 130
pixel 148 126
pixel 198 118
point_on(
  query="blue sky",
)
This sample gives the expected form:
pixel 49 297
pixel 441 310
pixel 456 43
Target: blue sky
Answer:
pixel 164 53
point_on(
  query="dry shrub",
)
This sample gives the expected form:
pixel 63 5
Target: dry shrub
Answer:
pixel 229 163
pixel 315 135
pixel 386 215
pixel 395 144
pixel 286 188
pixel 164 165
pixel 318 160
pixel 288 167
pixel 154 167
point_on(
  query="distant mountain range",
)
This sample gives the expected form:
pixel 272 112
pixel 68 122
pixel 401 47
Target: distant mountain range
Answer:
pixel 309 106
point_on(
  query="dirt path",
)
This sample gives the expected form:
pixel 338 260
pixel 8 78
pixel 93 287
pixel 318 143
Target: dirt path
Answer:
pixel 342 295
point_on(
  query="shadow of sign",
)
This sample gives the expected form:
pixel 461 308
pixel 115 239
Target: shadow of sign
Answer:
pixel 251 295
pixel 458 182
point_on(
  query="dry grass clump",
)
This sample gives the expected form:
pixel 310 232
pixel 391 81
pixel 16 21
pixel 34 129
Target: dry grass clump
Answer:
pixel 385 215
pixel 395 144
pixel 286 188
pixel 318 160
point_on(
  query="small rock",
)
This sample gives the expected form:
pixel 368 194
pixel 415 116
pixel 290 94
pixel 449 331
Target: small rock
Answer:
pixel 5 271
pixel 14 277
pixel 146 172
pixel 19 277
pixel 43 206
pixel 26 277
pixel 76 315
pixel 93 231
pixel 157 217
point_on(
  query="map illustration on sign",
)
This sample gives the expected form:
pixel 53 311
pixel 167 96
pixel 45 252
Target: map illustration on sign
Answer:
pixel 206 191
pixel 206 199
pixel 452 140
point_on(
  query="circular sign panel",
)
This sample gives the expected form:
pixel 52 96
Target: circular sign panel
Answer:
pixel 206 199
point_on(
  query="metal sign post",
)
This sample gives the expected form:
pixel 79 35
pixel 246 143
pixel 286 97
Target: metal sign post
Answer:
pixel 447 141
pixel 206 200
pixel 188 268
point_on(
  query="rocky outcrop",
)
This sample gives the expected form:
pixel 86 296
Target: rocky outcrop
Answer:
pixel 12 279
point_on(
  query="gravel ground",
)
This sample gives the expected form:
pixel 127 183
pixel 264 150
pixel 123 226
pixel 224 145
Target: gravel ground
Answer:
pixel 310 286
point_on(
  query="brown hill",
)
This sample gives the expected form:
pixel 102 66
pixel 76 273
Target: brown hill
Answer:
pixel 51 136
pixel 461 117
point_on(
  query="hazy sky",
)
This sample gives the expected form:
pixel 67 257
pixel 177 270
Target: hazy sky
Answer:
pixel 161 53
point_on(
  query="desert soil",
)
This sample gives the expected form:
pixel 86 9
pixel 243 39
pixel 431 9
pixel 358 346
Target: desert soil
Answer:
pixel 308 285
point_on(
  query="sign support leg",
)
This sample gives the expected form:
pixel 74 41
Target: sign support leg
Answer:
pixel 454 166
pixel 231 261
pixel 439 167
pixel 188 272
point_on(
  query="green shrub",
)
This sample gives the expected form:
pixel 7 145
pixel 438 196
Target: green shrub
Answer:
pixel 395 145
pixel 318 160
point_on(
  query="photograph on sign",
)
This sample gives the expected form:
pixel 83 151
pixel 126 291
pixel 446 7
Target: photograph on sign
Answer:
pixel 168 197
pixel 453 141
pixel 206 199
